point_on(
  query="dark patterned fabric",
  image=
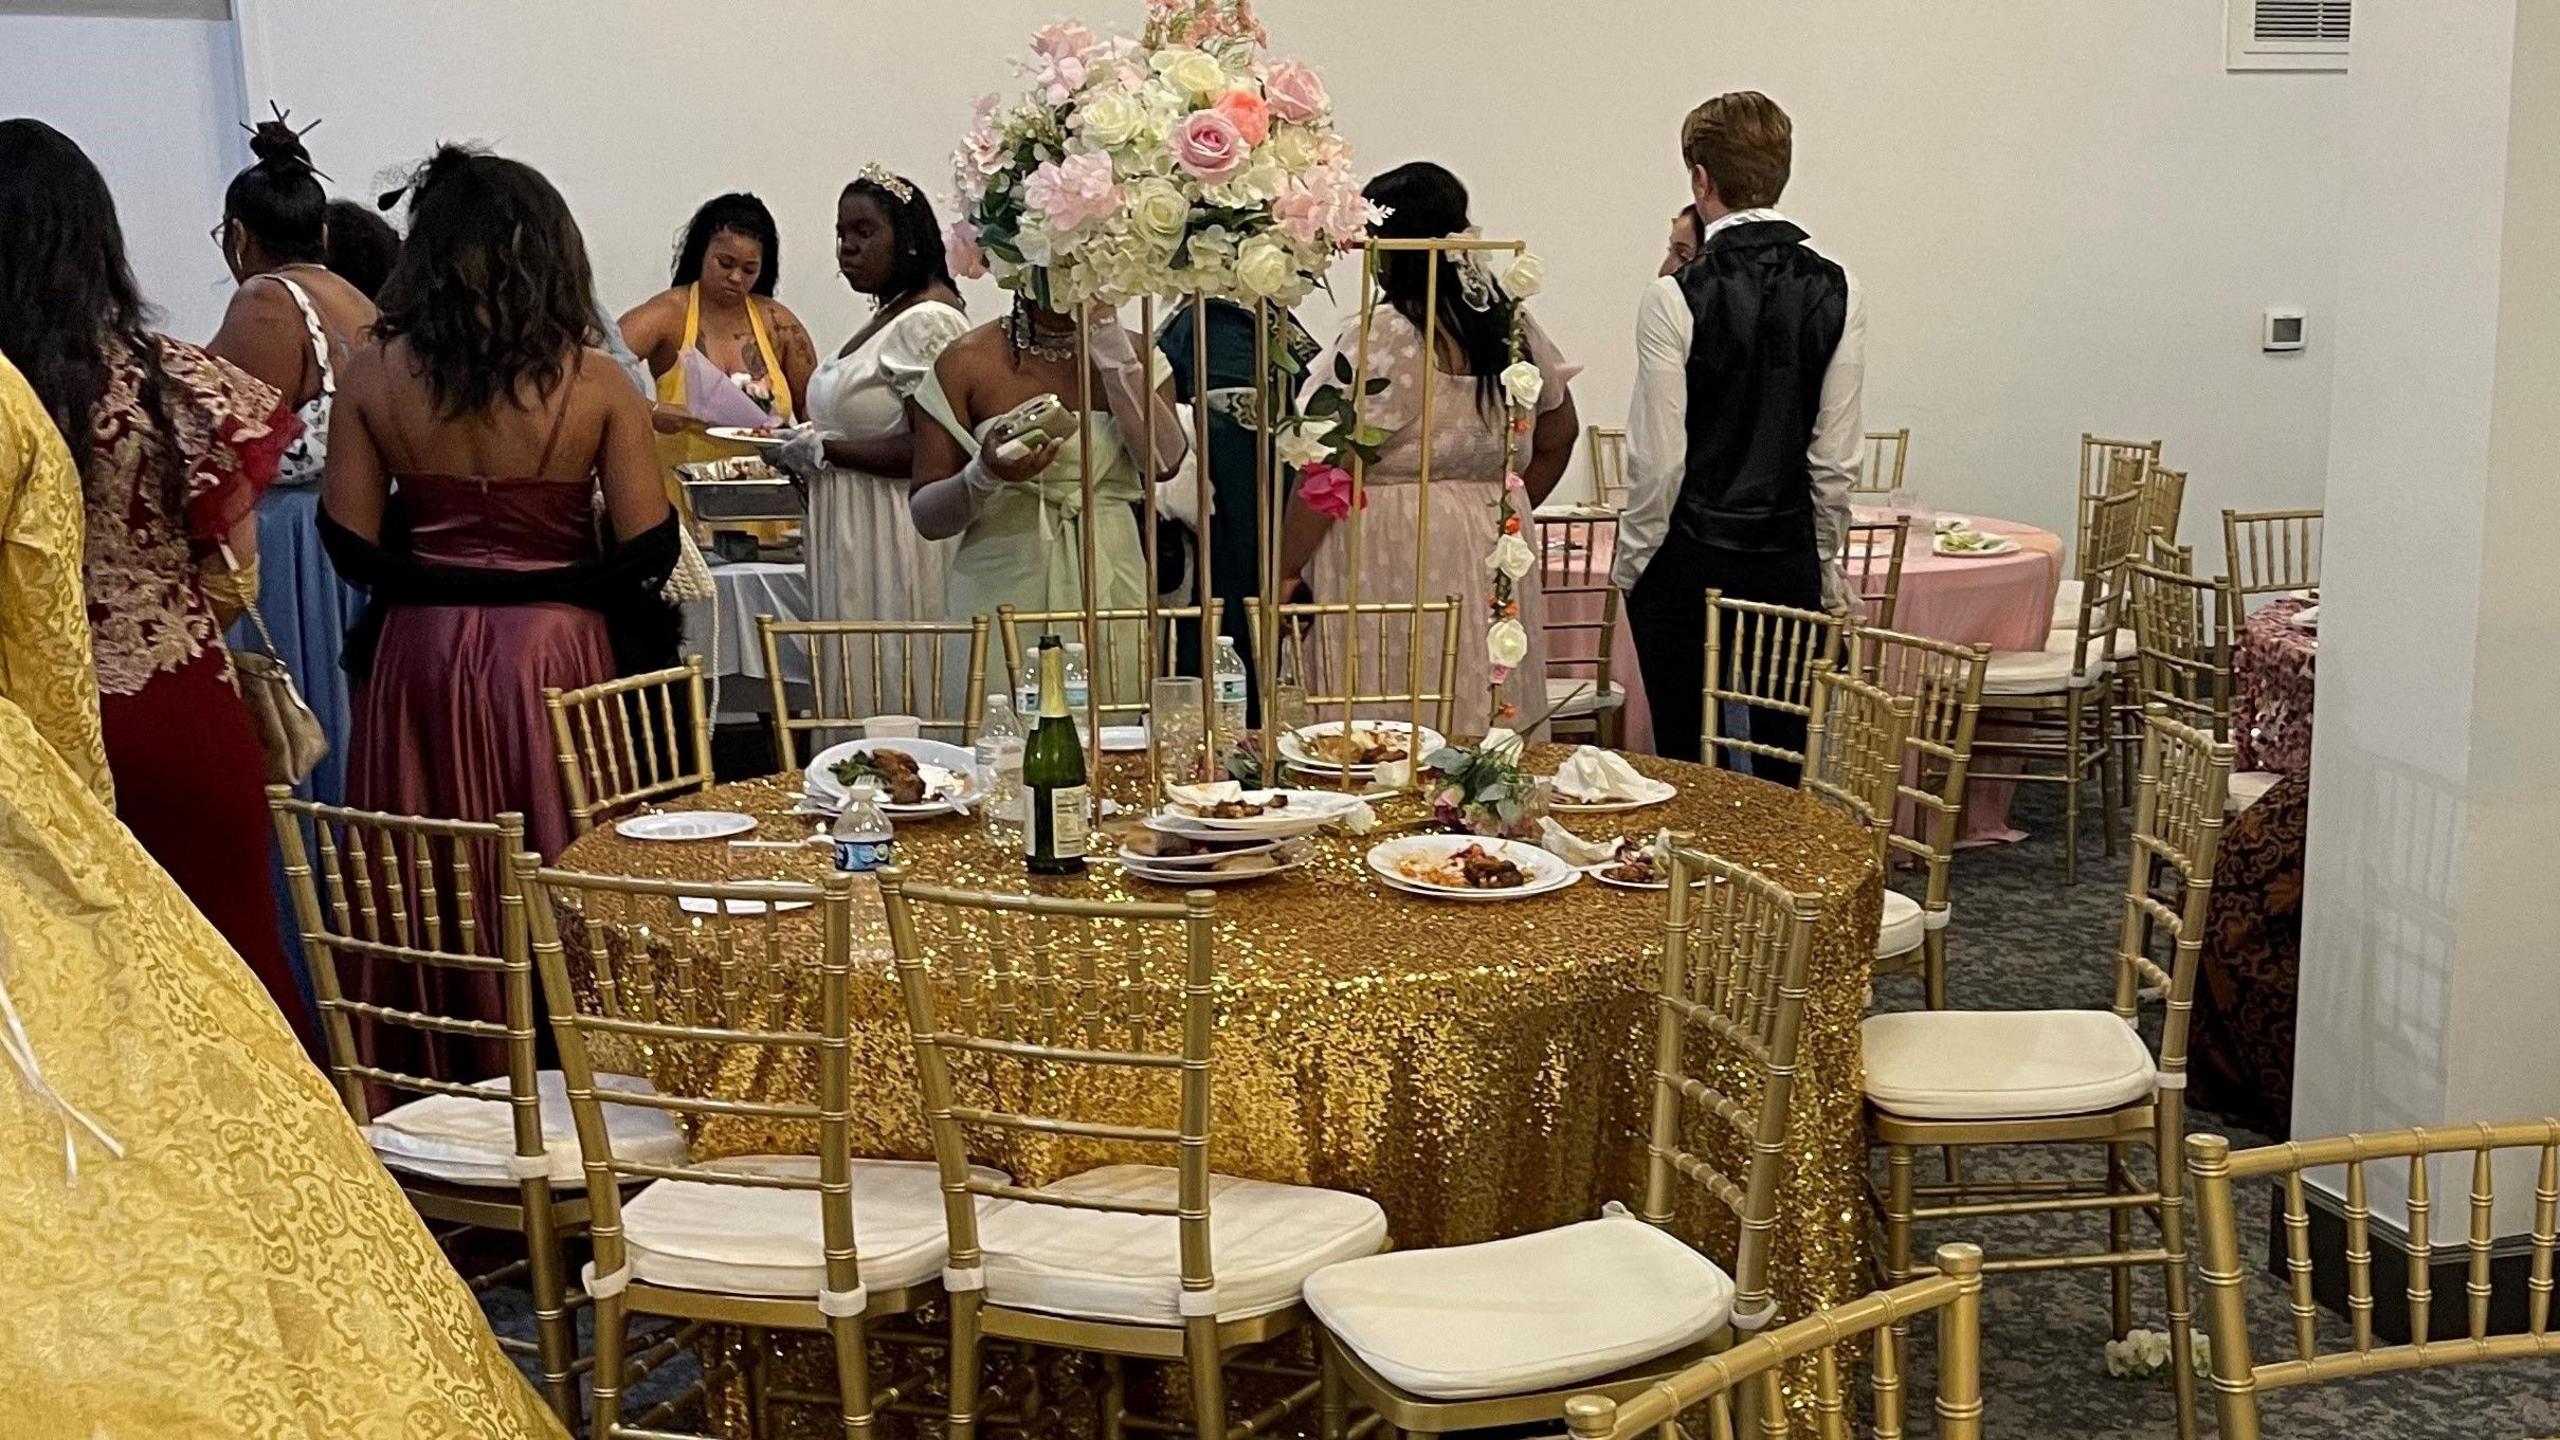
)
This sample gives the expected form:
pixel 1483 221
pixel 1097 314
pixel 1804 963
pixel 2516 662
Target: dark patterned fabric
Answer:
pixel 2271 701
pixel 2243 1028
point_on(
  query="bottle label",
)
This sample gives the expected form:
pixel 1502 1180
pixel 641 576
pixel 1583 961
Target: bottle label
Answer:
pixel 1231 689
pixel 1028 701
pixel 1077 698
pixel 1069 819
pixel 862 855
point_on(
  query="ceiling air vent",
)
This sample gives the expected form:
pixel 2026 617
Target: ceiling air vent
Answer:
pixel 2287 34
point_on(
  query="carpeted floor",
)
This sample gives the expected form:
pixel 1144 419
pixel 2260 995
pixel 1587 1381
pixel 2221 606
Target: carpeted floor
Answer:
pixel 2020 940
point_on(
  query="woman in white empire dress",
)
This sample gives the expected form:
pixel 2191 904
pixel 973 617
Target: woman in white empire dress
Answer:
pixel 866 559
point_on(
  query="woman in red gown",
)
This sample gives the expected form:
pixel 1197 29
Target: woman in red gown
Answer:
pixel 173 448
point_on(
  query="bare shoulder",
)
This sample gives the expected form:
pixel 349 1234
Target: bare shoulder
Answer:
pixel 603 383
pixel 784 322
pixel 660 312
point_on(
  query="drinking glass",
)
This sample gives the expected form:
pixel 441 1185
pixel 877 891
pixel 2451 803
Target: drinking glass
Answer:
pixel 1177 727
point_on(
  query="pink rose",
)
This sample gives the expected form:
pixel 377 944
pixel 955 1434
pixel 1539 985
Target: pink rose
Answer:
pixel 1296 95
pixel 1248 114
pixel 1208 145
pixel 1326 488
pixel 960 247
pixel 1073 192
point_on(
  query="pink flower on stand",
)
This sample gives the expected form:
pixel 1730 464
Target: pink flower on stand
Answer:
pixel 1209 146
pixel 960 248
pixel 1073 192
pixel 1247 113
pixel 1498 673
pixel 1515 485
pixel 1296 95
pixel 1327 490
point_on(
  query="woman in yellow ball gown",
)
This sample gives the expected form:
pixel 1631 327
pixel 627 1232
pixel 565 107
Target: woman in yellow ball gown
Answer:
pixel 194 1239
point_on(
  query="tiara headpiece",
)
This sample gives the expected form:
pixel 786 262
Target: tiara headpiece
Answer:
pixel 889 180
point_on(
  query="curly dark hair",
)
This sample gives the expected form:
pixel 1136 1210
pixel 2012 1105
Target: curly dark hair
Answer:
pixel 738 214
pixel 492 289
pixel 921 258
pixel 1425 202
pixel 278 200
pixel 67 296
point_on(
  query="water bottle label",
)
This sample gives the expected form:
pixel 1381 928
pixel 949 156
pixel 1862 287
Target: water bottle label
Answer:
pixel 1077 698
pixel 1231 689
pixel 862 855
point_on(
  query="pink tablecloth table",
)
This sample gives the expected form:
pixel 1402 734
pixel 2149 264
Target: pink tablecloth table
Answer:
pixel 2271 709
pixel 2004 601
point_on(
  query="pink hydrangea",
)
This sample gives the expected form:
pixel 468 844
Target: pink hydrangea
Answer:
pixel 1067 39
pixel 1327 490
pixel 1063 49
pixel 1073 192
pixel 1301 213
pixel 1339 208
pixel 960 247
pixel 1295 94
pixel 1247 113
pixel 1208 146
pixel 982 151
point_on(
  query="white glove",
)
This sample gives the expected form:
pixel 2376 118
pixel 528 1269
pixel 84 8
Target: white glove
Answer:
pixel 1112 348
pixel 803 453
pixel 1838 596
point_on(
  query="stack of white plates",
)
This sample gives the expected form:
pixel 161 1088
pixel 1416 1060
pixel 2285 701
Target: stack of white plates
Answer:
pixel 1297 749
pixel 1547 873
pixel 1303 813
pixel 1225 865
pixel 951 778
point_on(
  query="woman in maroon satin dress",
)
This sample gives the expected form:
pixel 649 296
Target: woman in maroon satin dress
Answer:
pixel 484 451
pixel 173 448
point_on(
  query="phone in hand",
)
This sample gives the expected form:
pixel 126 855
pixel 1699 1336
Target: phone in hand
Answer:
pixel 1039 420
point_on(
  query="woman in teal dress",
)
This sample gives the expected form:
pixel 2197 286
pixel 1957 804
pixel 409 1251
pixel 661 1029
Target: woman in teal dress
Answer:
pixel 1022 524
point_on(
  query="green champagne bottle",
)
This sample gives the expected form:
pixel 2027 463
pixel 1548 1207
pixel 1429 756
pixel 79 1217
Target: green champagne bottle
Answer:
pixel 1056 816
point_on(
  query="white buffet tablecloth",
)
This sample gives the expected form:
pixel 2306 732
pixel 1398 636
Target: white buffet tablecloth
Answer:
pixel 723 632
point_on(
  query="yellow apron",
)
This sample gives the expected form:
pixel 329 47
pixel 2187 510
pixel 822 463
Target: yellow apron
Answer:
pixel 691 447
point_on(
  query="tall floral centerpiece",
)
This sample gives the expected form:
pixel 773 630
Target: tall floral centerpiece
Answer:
pixel 1184 162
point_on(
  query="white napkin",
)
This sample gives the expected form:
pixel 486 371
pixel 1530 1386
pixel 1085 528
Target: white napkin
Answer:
pixel 1571 848
pixel 2307 618
pixel 1592 773
pixel 1394 775
pixel 1500 738
pixel 1201 797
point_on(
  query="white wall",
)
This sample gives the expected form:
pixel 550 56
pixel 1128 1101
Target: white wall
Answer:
pixel 2068 216
pixel 156 103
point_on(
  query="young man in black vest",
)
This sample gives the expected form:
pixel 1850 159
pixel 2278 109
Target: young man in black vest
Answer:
pixel 1744 431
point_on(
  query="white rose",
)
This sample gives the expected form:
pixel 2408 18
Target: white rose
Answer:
pixel 1523 384
pixel 1265 268
pixel 1195 73
pixel 1511 556
pixel 1295 149
pixel 1113 119
pixel 1299 445
pixel 1506 642
pixel 1526 277
pixel 1158 213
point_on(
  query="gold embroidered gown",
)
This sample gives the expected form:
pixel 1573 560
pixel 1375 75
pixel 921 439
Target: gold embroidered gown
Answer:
pixel 244 1266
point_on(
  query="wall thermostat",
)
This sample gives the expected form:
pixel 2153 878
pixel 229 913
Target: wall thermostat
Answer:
pixel 2282 329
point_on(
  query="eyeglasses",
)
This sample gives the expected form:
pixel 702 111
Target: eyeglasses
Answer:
pixel 220 235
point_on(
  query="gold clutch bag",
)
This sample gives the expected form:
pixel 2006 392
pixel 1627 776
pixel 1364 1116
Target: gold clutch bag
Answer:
pixel 287 728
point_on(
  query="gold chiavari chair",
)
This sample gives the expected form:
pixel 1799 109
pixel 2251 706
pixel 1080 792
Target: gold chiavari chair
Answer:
pixel 1966 1079
pixel 1017 1005
pixel 1854 751
pixel 1952 1296
pixel 629 742
pixel 2180 624
pixel 1943 680
pixel 2164 498
pixel 1880 469
pixel 2270 552
pixel 1581 691
pixel 1504 1333
pixel 1763 658
pixel 2058 701
pixel 811 1240
pixel 1121 631
pixel 1607 447
pixel 1327 630
pixel 2436 1341
pixel 1880 587
pixel 862 668
pixel 429 906
pixel 1569 545
pixel 2107 467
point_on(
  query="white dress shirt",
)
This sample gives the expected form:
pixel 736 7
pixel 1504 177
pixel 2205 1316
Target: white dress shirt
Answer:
pixel 1658 432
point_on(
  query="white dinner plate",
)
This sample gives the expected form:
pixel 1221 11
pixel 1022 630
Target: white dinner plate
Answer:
pixel 961 766
pixel 1601 873
pixel 704 905
pixel 1193 828
pixel 1188 879
pixel 2000 545
pixel 1547 872
pixel 1293 747
pixel 737 435
pixel 1229 845
pixel 685 825
pixel 1305 806
pixel 1124 739
pixel 1660 792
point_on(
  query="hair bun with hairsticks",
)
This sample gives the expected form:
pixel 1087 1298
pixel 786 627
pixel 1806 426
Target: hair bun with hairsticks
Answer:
pixel 278 145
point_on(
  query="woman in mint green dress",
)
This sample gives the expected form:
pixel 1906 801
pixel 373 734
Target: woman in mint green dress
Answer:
pixel 1022 524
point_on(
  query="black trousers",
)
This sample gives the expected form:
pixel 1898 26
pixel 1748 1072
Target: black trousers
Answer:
pixel 1668 613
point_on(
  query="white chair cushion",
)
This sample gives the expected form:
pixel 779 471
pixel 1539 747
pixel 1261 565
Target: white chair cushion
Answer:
pixel 1531 1313
pixel 2127 646
pixel 692 1235
pixel 1905 926
pixel 2040 672
pixel 2248 787
pixel 1586 696
pixel 2066 604
pixel 2004 1064
pixel 1264 1241
pixel 473 1142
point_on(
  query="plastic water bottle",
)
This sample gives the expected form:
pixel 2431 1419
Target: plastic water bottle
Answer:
pixel 1232 689
pixel 864 841
pixel 1079 685
pixel 999 754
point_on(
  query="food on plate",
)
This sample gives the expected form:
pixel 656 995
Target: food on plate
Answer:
pixel 1473 868
pixel 894 771
pixel 1240 809
pixel 1965 540
pixel 1358 747
pixel 1636 864
pixel 1241 864
pixel 1157 843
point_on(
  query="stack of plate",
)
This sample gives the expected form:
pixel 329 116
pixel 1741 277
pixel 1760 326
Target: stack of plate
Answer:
pixel 951 778
pixel 1547 873
pixel 1216 842
pixel 1217 862
pixel 1298 746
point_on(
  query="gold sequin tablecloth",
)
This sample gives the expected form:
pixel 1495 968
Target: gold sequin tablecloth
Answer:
pixel 1479 1069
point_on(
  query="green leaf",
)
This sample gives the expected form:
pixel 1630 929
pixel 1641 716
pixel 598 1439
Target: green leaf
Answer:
pixel 1379 385
pixel 1342 367
pixel 1370 437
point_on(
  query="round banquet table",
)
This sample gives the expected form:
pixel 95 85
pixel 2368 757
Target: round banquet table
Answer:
pixel 2275 666
pixel 1479 1069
